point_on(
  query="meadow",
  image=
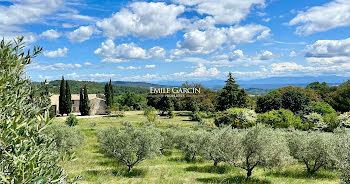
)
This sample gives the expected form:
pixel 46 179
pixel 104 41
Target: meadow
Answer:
pixel 93 167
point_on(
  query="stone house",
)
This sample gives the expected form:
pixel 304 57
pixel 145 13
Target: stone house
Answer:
pixel 97 105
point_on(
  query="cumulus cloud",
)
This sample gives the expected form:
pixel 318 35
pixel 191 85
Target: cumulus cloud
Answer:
pixel 126 51
pixel 293 54
pixel 92 77
pixel 328 51
pixel 200 71
pixel 207 41
pixel 150 66
pixel 224 11
pixel 81 34
pixel 27 11
pixel 129 68
pixel 50 34
pixel 322 18
pixel 266 55
pixel 56 53
pixel 154 19
pixel 56 66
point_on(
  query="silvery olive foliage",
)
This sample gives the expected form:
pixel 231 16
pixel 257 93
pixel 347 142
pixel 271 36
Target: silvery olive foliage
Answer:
pixel 66 138
pixel 316 120
pixel 132 145
pixel 341 160
pixel 191 142
pixel 216 145
pixel 345 119
pixel 258 146
pixel 236 117
pixel 314 149
pixel 26 155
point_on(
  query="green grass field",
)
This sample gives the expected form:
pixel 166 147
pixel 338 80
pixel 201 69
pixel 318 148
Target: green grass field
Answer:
pixel 94 167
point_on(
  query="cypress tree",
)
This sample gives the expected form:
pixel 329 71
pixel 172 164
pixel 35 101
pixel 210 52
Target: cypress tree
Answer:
pixel 81 106
pixel 86 106
pixel 62 97
pixel 111 91
pixel 107 94
pixel 68 99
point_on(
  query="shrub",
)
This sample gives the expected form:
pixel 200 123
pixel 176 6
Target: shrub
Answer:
pixel 281 118
pixel 72 120
pixel 332 121
pixel 191 142
pixel 344 119
pixel 257 146
pixel 171 113
pixel 117 114
pixel 314 149
pixel 27 156
pixel 197 116
pixel 65 137
pixel 151 114
pixel 126 108
pixel 216 146
pixel 236 117
pixel 314 120
pixel 321 108
pixel 130 146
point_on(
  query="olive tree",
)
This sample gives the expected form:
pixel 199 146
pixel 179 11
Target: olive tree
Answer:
pixel 314 149
pixel 258 146
pixel 26 155
pixel 130 146
pixel 191 142
pixel 342 153
pixel 216 146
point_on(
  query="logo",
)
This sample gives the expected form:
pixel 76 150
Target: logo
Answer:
pixel 174 92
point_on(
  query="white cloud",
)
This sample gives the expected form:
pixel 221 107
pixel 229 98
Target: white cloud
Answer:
pixel 56 66
pixel 27 11
pixel 126 51
pixel 129 68
pixel 81 34
pixel 328 51
pixel 207 41
pixel 322 18
pixel 67 25
pixel 56 53
pixel 266 55
pixel 154 19
pixel 224 11
pixel 200 71
pixel 329 48
pixel 88 64
pixel 135 67
pixel 92 77
pixel 293 54
pixel 150 66
pixel 50 34
pixel 157 52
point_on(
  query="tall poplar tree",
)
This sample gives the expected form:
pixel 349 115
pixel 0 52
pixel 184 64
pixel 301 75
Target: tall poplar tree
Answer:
pixel 62 97
pixel 68 101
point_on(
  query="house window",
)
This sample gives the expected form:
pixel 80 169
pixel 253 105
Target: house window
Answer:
pixel 72 101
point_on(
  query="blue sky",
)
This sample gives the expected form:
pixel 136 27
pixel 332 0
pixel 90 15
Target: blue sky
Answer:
pixel 179 40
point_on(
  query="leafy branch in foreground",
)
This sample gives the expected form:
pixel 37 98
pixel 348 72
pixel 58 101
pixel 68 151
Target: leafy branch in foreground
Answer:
pixel 26 155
